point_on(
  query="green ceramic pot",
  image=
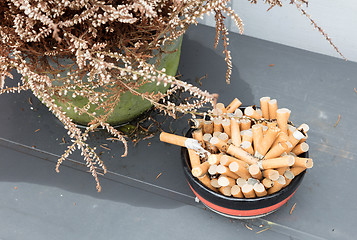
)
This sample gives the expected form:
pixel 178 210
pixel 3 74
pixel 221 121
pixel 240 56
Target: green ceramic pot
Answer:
pixel 130 106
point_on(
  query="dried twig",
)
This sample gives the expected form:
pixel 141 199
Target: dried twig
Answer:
pixel 338 120
pixel 292 208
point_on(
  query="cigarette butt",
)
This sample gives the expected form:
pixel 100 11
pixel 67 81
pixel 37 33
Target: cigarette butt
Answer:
pixel 241 181
pixel 247 135
pixel 217 113
pixel 226 123
pixel 214 158
pixel 214 183
pixel 239 170
pixel 248 191
pixel 282 137
pixel 198 135
pixel 238 113
pixel 236 191
pixel 201 169
pixel 287 182
pixel 207 126
pixel 285 161
pixel 271 174
pixel 212 170
pixel 255 172
pixel 239 153
pixel 259 111
pixel 264 105
pixel 226 191
pixel 303 127
pixel 221 169
pixel 282 117
pixel 304 138
pixel 288 174
pixel 225 181
pixel 224 137
pixel 207 138
pixel 235 132
pixel 260 190
pixel 282 170
pixel 300 148
pixel 278 185
pixel 216 134
pixel 245 124
pixel 194 158
pixel 276 151
pixel 247 146
pixel 291 129
pixel 233 105
pixel 226 160
pixel 252 181
pixel 273 107
pixel 268 183
pixel 217 125
pixel 258 136
pixel 250 112
pixel 303 162
pixel 205 180
pixel 197 122
pixel 297 170
pixel 294 139
pixel 220 144
pixel 221 107
pixel 173 139
pixel 267 141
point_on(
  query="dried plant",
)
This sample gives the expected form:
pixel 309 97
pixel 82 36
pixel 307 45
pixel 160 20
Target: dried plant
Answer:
pixel 108 46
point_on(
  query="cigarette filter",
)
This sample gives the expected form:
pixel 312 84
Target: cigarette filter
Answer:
pixel 173 139
pixel 304 138
pixel 276 151
pixel 239 153
pixel 258 136
pixel 260 190
pixel 282 170
pixel 291 129
pixel 264 105
pixel 278 185
pixel 238 113
pixel 194 158
pixel 303 162
pixel 247 146
pixel 271 174
pixel 285 161
pixel 248 191
pixel 226 123
pixel 221 169
pixel 225 181
pixel 300 148
pixel 214 183
pixel 208 126
pixel 247 135
pixel 198 135
pixel 212 170
pixel 254 170
pixel 226 160
pixel 297 170
pixel 205 180
pixel 245 124
pixel 294 139
pixel 224 137
pixel 273 107
pixel 241 181
pixel 226 191
pixel 239 170
pixel 221 145
pixel 214 158
pixel 221 107
pixel 201 169
pixel 267 141
pixel 250 112
pixel 304 127
pixel 282 117
pixel 233 105
pixel 217 125
pixel 235 132
pixel 282 137
pixel 268 183
pixel 237 192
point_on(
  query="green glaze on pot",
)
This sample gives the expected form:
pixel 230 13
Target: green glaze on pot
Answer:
pixel 130 106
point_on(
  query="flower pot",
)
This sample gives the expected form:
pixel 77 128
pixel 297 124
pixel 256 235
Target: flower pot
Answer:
pixel 129 106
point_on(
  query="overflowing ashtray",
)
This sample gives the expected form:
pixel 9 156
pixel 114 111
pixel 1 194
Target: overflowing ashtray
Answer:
pixel 244 162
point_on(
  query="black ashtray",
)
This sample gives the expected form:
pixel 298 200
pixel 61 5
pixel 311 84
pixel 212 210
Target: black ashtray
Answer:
pixel 241 208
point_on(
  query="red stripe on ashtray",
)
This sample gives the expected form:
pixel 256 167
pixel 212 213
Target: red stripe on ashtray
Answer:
pixel 242 213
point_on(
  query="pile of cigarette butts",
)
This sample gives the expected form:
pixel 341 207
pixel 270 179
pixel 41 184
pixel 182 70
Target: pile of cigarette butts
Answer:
pixel 245 154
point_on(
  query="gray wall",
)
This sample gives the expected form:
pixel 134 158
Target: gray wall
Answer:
pixel 287 26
